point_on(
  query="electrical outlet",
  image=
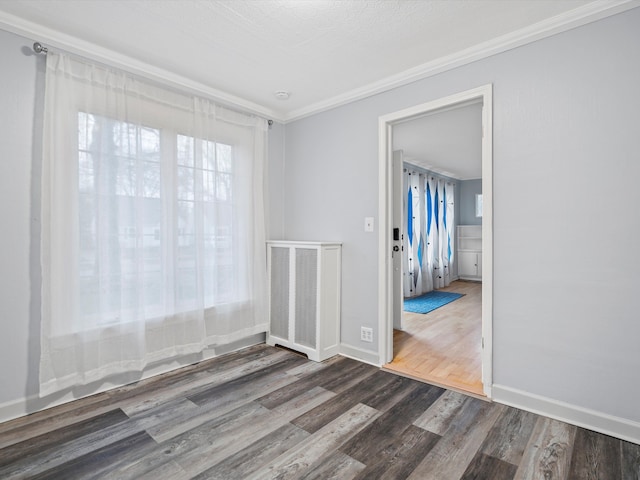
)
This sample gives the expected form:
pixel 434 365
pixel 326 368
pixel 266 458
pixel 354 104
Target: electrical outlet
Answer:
pixel 366 334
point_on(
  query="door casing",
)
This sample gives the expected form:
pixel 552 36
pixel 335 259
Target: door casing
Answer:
pixel 396 219
pixel 385 215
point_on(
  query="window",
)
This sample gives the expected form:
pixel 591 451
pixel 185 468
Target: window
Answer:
pixel 479 205
pixel 153 205
pixel 205 201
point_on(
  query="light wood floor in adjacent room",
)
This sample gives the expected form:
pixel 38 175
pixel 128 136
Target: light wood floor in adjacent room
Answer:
pixel 265 413
pixel 444 346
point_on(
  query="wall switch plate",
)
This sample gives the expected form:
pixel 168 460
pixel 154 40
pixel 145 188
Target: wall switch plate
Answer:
pixel 368 224
pixel 366 334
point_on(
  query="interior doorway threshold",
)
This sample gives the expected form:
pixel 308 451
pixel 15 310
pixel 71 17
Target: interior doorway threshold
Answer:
pixel 460 388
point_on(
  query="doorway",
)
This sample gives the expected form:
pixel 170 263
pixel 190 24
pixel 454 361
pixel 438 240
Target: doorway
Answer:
pixel 389 304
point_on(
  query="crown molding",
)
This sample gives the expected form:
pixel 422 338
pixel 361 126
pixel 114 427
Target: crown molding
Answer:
pixel 583 15
pixel 580 16
pixel 68 43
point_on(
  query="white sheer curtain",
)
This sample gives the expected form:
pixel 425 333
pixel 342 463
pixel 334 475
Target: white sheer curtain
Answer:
pixel 152 224
pixel 414 228
pixel 429 224
pixel 434 234
pixel 444 240
pixel 449 227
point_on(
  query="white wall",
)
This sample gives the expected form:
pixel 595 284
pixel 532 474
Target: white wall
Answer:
pixel 566 227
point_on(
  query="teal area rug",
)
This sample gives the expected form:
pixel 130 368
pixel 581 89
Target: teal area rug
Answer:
pixel 429 301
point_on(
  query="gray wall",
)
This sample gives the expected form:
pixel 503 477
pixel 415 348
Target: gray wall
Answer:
pixel 468 191
pixel 19 309
pixel 275 186
pixel 565 293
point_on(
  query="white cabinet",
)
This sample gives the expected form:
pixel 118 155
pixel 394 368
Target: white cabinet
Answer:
pixel 304 296
pixel 470 252
pixel 470 265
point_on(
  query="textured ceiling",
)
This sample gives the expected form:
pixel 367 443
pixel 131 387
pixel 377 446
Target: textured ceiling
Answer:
pixel 323 52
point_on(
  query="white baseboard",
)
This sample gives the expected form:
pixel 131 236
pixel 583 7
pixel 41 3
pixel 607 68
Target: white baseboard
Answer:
pixel 33 403
pixel 15 408
pixel 366 356
pixel 569 413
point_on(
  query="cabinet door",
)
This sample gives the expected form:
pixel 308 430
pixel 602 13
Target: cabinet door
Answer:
pixel 467 264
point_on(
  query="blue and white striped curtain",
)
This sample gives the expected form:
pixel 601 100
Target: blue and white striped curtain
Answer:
pixel 428 232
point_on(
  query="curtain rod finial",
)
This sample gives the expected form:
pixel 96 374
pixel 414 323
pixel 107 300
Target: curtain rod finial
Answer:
pixel 39 48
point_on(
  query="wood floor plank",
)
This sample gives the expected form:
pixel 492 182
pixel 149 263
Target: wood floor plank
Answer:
pixel 337 369
pixel 46 441
pixel 218 400
pixel 367 444
pixel 318 417
pixel 63 415
pixel 630 461
pixel 306 368
pixel 300 460
pixel 336 466
pixel 484 467
pixel 211 368
pixel 385 398
pixel 66 451
pixel 184 420
pixel 97 463
pixel 595 456
pixel 201 380
pixel 510 435
pixel 169 470
pixel 179 410
pixel 145 462
pixel 256 455
pixel 203 447
pixel 439 416
pixel 548 453
pixel 461 441
pixel 44 421
pixel 399 458
pixel 349 378
pixel 246 382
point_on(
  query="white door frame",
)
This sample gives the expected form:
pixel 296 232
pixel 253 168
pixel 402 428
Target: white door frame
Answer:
pixel 385 209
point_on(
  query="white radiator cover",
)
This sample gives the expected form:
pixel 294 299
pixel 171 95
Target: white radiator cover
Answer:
pixel 304 296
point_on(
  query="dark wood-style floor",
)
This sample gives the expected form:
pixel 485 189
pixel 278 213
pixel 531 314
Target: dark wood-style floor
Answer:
pixel 268 413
